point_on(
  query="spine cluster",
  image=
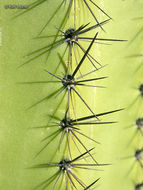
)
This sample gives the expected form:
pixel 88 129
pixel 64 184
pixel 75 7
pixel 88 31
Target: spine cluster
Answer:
pixel 136 104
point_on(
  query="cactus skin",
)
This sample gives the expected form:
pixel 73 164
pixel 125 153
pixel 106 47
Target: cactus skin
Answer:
pixel 19 144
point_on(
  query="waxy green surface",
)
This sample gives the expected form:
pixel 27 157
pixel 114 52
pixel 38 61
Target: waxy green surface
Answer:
pixel 19 143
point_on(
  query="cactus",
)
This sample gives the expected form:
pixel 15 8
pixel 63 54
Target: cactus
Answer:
pixel 60 128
